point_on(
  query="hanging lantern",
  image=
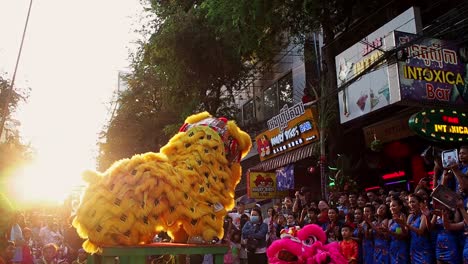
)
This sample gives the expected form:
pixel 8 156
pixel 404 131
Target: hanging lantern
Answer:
pixel 311 169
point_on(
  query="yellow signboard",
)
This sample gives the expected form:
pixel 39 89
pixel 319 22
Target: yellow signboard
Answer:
pixel 262 185
pixel 287 135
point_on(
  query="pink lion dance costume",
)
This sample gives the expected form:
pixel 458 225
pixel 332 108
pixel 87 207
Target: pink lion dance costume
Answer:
pixel 304 246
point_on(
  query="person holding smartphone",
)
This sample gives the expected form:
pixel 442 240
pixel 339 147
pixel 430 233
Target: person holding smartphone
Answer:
pixel 461 169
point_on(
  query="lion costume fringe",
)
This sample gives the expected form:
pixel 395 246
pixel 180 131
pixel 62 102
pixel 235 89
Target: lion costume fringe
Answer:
pixel 186 189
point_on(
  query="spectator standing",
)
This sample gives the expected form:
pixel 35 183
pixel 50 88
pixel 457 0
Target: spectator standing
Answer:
pixel 333 227
pixel 420 245
pixel 272 226
pixel 371 196
pixel 27 246
pixel 16 235
pixel 236 216
pixel 352 201
pixel 361 201
pixel 348 246
pixel 233 255
pixel 281 224
pixel 398 234
pixel 51 233
pixel 303 200
pixel 287 207
pixel 291 221
pixel 368 236
pixel 342 204
pixel 463 158
pixel 243 251
pixel 271 215
pixel 446 241
pixel 358 232
pixel 309 216
pixel 380 227
pixel 255 228
pixel 323 207
pixel 71 239
pixel 460 170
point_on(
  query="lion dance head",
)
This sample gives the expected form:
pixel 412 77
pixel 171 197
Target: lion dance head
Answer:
pixel 305 245
pixel 185 189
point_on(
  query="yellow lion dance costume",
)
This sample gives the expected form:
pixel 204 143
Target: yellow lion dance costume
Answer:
pixel 186 189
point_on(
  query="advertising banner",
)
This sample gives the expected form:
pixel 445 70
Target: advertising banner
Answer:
pixel 376 88
pixel 441 125
pixel 285 178
pixel 432 70
pixel 287 131
pixel 262 185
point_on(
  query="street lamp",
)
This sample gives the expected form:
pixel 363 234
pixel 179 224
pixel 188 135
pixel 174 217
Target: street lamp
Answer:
pixel 9 90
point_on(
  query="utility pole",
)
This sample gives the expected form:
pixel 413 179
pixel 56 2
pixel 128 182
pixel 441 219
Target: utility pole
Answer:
pixel 9 90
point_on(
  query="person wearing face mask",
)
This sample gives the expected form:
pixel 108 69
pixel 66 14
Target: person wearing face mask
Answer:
pixel 257 229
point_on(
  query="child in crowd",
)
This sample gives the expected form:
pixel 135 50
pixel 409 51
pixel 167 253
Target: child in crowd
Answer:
pixel 311 217
pixel 49 252
pixel 348 246
pixel 290 221
pixel 234 243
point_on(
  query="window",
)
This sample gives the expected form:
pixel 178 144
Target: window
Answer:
pixel 278 95
pixel 285 91
pixel 248 112
pixel 270 102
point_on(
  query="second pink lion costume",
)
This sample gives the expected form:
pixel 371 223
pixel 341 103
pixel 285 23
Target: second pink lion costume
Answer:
pixel 306 246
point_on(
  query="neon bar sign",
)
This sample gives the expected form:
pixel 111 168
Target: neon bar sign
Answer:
pixel 393 175
pixel 441 125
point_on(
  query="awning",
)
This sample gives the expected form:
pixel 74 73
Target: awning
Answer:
pixel 287 158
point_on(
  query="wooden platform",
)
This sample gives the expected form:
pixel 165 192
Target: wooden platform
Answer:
pixel 139 254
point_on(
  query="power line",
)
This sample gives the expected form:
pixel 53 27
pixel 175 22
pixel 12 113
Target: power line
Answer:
pixel 8 92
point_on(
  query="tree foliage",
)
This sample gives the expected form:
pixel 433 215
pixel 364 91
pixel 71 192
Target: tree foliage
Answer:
pixel 13 152
pixel 199 54
pixel 10 98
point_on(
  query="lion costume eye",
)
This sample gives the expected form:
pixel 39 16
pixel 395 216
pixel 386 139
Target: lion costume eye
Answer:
pixel 309 241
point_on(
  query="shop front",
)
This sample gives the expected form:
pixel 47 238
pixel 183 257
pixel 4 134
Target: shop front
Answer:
pixel 411 101
pixel 287 151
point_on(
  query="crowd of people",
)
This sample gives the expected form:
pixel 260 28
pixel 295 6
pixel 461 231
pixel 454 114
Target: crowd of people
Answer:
pixel 372 227
pixel 39 237
pixel 378 226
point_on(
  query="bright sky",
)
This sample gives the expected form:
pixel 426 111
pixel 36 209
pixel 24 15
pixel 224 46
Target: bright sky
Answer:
pixel 71 57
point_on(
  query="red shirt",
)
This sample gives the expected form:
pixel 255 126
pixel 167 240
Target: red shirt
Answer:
pixel 349 249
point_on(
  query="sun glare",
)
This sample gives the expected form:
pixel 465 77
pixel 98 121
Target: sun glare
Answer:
pixel 43 183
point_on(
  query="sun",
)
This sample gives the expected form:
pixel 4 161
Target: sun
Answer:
pixel 44 182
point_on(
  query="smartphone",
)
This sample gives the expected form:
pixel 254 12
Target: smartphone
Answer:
pixel 449 157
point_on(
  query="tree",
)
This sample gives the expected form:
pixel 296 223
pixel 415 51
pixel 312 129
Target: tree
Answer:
pixel 199 55
pixel 12 152
pixel 13 97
